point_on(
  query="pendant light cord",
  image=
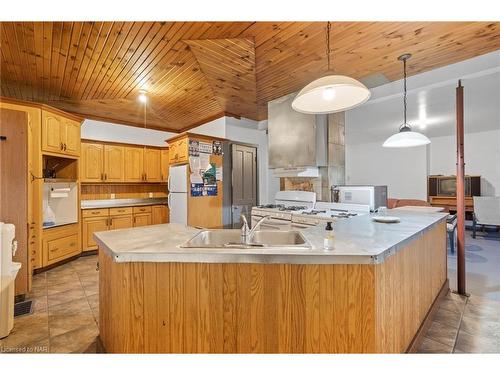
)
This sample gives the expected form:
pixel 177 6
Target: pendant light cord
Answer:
pixel 328 49
pixel 404 87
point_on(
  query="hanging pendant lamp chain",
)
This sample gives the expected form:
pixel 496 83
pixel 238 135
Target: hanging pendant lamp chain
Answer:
pixel 328 49
pixel 404 87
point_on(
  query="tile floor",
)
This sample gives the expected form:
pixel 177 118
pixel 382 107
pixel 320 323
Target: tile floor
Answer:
pixel 66 309
pixel 66 312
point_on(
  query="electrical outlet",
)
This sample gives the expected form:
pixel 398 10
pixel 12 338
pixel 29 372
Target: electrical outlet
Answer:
pixel 150 195
pixel 113 196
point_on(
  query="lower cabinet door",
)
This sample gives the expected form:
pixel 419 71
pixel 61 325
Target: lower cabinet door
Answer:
pixel 121 222
pixel 160 214
pixel 141 220
pixel 60 243
pixel 91 225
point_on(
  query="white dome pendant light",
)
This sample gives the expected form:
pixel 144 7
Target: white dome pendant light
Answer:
pixel 332 93
pixel 406 137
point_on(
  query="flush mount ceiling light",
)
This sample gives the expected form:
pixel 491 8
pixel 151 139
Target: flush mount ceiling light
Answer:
pixel 332 93
pixel 406 137
pixel 143 96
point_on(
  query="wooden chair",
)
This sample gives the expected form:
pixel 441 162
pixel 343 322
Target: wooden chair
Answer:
pixel 486 212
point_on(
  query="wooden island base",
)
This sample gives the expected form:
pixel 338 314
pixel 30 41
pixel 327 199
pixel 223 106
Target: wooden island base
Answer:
pixel 272 308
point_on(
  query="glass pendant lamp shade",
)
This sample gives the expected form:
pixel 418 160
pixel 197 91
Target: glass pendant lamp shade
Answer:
pixel 406 138
pixel 329 94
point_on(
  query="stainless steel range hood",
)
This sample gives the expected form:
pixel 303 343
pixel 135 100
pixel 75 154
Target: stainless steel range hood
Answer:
pixel 298 143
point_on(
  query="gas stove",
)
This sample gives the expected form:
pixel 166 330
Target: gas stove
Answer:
pixel 298 209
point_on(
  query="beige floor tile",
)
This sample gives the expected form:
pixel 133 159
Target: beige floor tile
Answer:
pixel 62 278
pixel 40 304
pixel 482 311
pixel 62 297
pixel 442 333
pixel 467 343
pixel 430 346
pixel 80 340
pixel 59 324
pixel 64 287
pixel 482 327
pixel 93 300
pixel 27 330
pixel 77 306
pixel 447 317
pixel 453 302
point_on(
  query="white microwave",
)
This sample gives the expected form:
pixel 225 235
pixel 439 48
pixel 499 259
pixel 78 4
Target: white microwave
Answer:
pixel 373 196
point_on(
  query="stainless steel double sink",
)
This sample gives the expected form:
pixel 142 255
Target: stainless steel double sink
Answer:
pixel 231 238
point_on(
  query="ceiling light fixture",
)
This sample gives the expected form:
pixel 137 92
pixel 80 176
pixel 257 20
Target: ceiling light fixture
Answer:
pixel 142 96
pixel 406 137
pixel 331 93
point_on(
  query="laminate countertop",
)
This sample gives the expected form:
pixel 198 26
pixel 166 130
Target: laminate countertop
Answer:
pixel 111 203
pixel 358 240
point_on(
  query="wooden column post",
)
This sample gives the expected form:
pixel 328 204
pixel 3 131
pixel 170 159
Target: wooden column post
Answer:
pixel 460 190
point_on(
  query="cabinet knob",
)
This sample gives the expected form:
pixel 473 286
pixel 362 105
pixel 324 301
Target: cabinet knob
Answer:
pixel 61 146
pixel 65 147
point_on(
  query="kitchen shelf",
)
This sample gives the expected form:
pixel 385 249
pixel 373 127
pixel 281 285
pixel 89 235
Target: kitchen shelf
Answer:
pixel 54 180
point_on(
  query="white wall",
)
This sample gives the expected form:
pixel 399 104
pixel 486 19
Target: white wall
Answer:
pixel 482 157
pixel 404 171
pixel 214 128
pixel 106 131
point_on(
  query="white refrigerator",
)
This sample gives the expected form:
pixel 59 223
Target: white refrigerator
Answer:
pixel 178 187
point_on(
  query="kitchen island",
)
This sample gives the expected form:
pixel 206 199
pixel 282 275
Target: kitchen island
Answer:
pixel 370 294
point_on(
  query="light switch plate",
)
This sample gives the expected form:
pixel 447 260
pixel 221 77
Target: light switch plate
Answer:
pixel 113 196
pixel 150 195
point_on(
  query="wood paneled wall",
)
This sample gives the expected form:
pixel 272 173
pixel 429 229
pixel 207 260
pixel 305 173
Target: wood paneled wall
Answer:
pixel 271 308
pixel 122 191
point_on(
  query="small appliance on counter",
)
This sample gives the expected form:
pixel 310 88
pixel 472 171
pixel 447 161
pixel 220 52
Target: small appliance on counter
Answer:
pixel 373 196
pixel 60 203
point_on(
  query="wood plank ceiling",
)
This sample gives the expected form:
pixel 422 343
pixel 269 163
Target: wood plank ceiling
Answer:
pixel 197 71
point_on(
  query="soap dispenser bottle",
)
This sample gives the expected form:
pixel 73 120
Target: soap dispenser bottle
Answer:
pixel 329 238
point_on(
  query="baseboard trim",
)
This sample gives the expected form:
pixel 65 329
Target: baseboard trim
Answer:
pixel 422 330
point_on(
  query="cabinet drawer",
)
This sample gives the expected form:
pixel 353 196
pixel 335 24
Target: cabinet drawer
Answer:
pixel 120 211
pixel 95 212
pixel 140 210
pixel 60 247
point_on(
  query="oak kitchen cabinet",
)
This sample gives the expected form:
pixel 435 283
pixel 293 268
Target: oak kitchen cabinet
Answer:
pixel 152 164
pixel 60 243
pixel 60 135
pixel 178 150
pixel 134 157
pixel 102 219
pixel 104 162
pixel 160 214
pixel 164 164
pixel 142 216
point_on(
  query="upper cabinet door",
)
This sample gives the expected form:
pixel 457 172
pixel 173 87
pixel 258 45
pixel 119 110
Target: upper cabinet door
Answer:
pixel 91 168
pixel 172 153
pixel 114 163
pixel 71 137
pixel 183 150
pixel 152 165
pixel 164 164
pixel 134 164
pixel 52 137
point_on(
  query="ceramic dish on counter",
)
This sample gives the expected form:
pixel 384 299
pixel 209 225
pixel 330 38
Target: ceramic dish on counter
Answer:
pixel 386 219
